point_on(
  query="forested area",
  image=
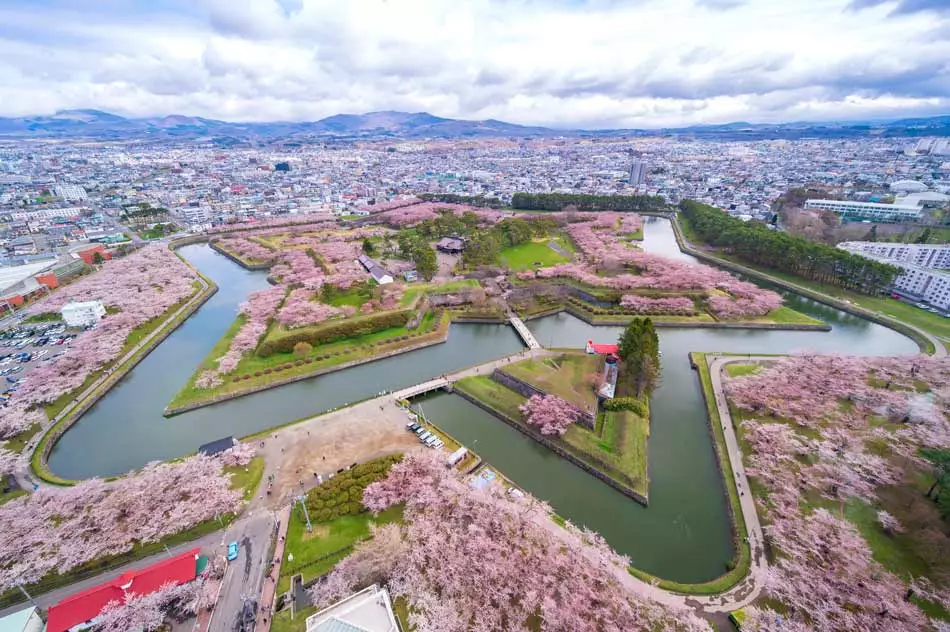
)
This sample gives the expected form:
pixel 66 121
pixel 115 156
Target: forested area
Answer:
pixel 479 201
pixel 584 202
pixel 755 243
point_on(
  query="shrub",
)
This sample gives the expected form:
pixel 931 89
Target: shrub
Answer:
pixel 235 379
pixel 298 363
pixel 257 373
pixel 268 370
pixel 247 376
pixel 632 404
pixel 343 494
pixel 302 349
pixel 335 330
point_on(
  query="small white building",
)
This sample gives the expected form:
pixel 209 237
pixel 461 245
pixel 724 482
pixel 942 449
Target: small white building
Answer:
pixel 369 610
pixel 83 314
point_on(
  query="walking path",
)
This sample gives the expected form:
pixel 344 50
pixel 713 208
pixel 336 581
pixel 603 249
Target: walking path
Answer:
pixel 111 376
pixel 266 611
pixel 523 331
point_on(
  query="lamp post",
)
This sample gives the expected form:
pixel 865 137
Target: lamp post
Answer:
pixel 306 515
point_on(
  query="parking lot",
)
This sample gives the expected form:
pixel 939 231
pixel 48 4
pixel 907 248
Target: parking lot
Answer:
pixel 24 347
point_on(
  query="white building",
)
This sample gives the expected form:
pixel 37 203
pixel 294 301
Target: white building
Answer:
pixel 70 192
pixel 923 255
pixel 923 284
pixel 871 211
pixel 82 314
pixel 369 610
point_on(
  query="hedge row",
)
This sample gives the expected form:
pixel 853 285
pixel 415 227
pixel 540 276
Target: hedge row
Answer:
pixel 335 330
pixel 625 403
pixel 342 495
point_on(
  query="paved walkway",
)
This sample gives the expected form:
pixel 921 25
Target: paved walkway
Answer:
pixel 23 474
pixel 266 611
pixel 523 331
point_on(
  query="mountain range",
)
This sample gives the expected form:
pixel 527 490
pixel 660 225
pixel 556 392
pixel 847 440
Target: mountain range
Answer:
pixel 95 124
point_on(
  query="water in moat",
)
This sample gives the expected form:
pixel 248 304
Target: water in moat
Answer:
pixel 683 534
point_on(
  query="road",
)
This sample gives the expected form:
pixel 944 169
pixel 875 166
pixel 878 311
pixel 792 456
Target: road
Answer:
pixel 244 577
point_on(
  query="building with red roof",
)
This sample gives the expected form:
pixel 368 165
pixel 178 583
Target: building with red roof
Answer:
pixel 601 349
pixel 86 605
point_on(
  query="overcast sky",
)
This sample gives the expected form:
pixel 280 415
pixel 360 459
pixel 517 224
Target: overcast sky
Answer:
pixel 563 63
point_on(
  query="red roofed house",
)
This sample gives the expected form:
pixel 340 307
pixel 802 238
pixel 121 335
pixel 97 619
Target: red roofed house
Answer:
pixel 86 605
pixel 89 254
pixel 601 349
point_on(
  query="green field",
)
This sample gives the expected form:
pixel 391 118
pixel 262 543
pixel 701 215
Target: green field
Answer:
pixel 247 478
pixel 567 376
pixel 738 370
pixel 618 446
pixel 317 552
pixel 534 254
pixel 339 351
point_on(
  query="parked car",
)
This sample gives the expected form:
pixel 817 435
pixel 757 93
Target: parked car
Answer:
pixel 232 551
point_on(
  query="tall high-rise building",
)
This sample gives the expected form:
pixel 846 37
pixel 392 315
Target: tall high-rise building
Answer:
pixel 638 172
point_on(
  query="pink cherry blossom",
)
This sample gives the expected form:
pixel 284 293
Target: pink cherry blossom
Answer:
pixel 551 414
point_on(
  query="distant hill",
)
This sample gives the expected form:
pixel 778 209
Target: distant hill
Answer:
pixel 95 124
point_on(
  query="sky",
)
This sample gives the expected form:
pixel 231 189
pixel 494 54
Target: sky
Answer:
pixel 560 63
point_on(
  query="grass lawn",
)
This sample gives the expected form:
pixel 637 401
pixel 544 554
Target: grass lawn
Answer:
pixel 283 623
pixel 738 370
pixel 567 376
pixel 619 449
pixel 354 297
pixel 6 497
pixel 533 255
pixel 317 552
pixel 487 390
pixel 247 478
pixel 340 351
pixel 787 316
pixel 18 442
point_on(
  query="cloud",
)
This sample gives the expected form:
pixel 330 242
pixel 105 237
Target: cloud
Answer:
pixel 903 6
pixel 567 63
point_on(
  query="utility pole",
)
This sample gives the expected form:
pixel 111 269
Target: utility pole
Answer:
pixel 306 515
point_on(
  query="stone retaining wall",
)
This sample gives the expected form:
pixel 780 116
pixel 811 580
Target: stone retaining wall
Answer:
pixel 60 428
pixel 217 399
pixel 587 418
pixel 246 266
pixel 561 452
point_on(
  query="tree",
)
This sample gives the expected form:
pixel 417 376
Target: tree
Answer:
pixel 551 414
pixel 755 243
pixel 639 349
pixel 368 247
pixel 924 236
pixel 97 258
pixel 302 349
pixel 500 564
pixel 872 234
pixel 426 263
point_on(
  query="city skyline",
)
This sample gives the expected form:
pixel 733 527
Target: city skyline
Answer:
pixel 594 64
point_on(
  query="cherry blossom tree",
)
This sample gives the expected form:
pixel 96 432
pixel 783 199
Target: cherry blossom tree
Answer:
pixel 500 564
pixel 678 305
pixel 807 420
pixel 59 529
pixel 551 414
pixel 139 287
pixel 148 612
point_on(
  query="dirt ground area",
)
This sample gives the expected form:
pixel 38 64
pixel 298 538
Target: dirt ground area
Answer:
pixel 325 444
pixel 447 264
